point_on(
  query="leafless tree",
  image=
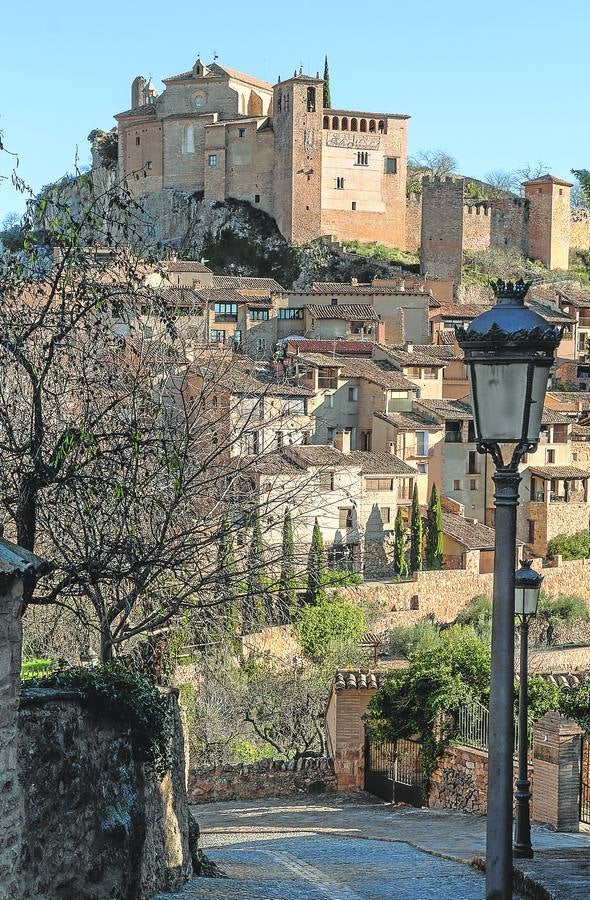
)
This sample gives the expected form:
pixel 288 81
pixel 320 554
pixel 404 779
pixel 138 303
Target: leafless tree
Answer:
pixel 111 470
pixel 499 183
pixel 434 162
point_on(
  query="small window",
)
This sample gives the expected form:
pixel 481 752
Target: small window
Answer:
pixel 422 468
pixel 149 165
pixel 279 102
pixel 345 517
pixel 326 481
pixel 256 198
pixel 311 99
pixel 330 431
pixel 217 336
pixel 354 204
pixel 286 103
pixel 531 524
pixel 259 315
pixel 279 439
pixel 340 184
pixel 456 485
pixel 549 456
pixel 291 313
pixel 353 394
pixel 137 141
pixel 362 158
pixel 390 165
pixel 385 512
pixel 213 160
pixel 379 484
pixel 473 484
pixel 331 401
pixel 260 344
pixel 241 132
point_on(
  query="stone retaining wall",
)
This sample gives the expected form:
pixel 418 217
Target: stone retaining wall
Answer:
pixel 263 779
pixel 460 781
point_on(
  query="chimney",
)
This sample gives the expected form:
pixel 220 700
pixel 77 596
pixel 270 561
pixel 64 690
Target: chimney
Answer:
pixel 391 447
pixel 354 281
pixel 342 441
pixel 409 346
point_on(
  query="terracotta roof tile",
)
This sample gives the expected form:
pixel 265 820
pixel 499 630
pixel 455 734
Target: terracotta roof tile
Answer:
pixel 409 421
pixel 185 265
pixel 357 681
pixel 565 472
pixel 266 285
pixel 339 348
pixel 472 535
pixel 345 311
pixel 448 409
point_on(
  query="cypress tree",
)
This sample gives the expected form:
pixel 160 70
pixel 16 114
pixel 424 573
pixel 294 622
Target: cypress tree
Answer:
pixel 327 98
pixel 226 572
pixel 400 562
pixel 434 535
pixel 254 614
pixel 287 590
pixel 416 534
pixel 315 566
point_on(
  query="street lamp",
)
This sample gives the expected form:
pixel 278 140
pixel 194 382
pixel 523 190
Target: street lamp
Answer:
pixel 509 351
pixel 527 585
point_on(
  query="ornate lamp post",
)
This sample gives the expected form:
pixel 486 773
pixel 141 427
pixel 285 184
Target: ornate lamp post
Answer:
pixel 527 585
pixel 509 351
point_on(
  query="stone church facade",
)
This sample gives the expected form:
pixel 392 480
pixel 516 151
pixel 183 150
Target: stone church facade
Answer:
pixel 221 134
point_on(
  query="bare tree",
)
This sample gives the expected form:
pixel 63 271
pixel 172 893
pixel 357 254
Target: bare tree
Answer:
pixel 499 183
pixel 434 162
pixel 111 469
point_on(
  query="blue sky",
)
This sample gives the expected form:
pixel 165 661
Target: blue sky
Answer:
pixel 498 85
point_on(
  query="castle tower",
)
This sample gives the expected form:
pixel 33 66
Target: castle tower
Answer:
pixel 441 247
pixel 549 220
pixel 297 124
pixel 138 86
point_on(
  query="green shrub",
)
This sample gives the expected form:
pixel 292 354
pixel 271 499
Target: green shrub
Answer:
pixel 337 578
pixel 246 752
pixel 543 697
pixel 478 614
pixel 323 626
pixel 405 639
pixel 571 546
pixel 576 705
pixel 562 609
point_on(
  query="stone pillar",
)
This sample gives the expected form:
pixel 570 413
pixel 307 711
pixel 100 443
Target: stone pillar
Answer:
pixel 15 563
pixel 557 752
pixel 11 799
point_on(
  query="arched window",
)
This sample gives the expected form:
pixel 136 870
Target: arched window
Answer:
pixel 279 102
pixel 335 123
pixel 189 139
pixel 381 126
pixel 363 125
pixel 353 125
pixel 372 126
pixel 344 124
pixel 327 122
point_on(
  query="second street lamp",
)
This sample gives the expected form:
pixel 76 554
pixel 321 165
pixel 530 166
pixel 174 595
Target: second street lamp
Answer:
pixel 527 585
pixel 509 351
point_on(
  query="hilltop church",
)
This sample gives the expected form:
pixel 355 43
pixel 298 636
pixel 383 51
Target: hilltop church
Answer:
pixel 221 134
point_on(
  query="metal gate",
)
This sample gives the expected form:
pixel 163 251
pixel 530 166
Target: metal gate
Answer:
pixel 394 772
pixel 585 781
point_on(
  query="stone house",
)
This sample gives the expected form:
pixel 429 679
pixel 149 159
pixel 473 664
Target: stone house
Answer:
pixel 353 494
pixel 347 391
pixel 403 312
pixel 220 134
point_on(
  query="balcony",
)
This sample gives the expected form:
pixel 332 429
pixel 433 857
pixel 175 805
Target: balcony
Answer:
pixel 225 317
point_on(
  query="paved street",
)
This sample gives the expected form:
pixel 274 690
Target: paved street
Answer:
pixel 354 847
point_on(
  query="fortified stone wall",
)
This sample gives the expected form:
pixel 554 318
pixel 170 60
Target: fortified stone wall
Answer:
pixel 267 778
pixel 98 824
pixel 580 229
pixel 413 223
pixel 441 246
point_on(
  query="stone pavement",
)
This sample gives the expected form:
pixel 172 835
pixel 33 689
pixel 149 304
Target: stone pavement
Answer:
pixel 354 847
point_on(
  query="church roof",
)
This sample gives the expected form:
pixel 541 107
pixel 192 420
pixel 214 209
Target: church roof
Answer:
pixel 218 70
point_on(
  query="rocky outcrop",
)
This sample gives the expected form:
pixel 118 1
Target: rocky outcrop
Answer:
pixel 98 824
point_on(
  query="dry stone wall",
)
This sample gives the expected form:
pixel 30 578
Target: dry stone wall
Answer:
pixel 266 778
pixel 460 781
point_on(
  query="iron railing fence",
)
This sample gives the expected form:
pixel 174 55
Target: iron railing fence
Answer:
pixel 474 727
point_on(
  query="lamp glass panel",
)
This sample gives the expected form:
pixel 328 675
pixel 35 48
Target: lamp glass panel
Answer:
pixel 525 601
pixel 539 388
pixel 500 403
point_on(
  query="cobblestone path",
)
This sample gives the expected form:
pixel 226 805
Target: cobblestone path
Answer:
pixel 316 867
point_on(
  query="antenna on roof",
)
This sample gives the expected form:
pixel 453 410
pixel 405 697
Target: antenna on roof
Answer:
pixel 215 56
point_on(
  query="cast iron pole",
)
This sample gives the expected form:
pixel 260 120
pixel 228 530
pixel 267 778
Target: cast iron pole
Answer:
pixel 501 737
pixel 522 831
